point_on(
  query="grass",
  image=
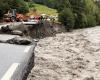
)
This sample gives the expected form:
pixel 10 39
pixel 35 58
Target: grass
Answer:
pixel 42 9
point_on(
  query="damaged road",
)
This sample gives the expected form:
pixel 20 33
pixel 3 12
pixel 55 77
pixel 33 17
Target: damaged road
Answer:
pixel 68 56
pixel 17 57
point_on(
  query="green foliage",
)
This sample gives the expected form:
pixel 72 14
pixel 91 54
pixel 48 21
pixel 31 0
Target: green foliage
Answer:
pixel 98 14
pixel 66 17
pixel 91 21
pixel 77 5
pixel 84 21
pixel 6 5
pixel 20 5
pixel 86 12
pixel 3 8
pixel 80 20
pixel 22 9
pixel 91 9
pixel 63 4
pixel 31 4
pixel 98 18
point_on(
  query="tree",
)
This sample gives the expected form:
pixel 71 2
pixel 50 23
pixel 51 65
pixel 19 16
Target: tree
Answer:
pixel 98 14
pixel 66 17
pixel 61 4
pixel 3 7
pixel 91 10
pixel 20 5
pixel 77 5
pixel 6 5
pixel 85 13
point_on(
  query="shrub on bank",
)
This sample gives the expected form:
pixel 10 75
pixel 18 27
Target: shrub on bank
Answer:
pixel 80 21
pixel 98 19
pixel 21 6
pixel 91 20
pixel 84 21
pixel 4 7
pixel 66 17
pixel 22 9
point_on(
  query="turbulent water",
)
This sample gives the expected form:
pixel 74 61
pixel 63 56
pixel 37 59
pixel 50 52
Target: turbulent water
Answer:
pixel 68 56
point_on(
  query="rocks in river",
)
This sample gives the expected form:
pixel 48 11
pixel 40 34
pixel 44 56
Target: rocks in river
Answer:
pixel 89 78
pixel 19 41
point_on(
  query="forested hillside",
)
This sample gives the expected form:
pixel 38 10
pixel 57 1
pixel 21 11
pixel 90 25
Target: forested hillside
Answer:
pixel 72 13
pixel 79 13
pixel 75 13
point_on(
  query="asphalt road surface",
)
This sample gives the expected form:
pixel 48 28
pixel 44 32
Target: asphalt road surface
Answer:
pixel 14 59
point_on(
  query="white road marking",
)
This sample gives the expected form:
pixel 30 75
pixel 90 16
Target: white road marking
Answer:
pixel 10 71
pixel 27 49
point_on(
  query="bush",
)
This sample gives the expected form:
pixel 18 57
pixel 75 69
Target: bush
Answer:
pixel 31 4
pixel 84 21
pixel 4 7
pixel 98 19
pixel 22 9
pixel 66 17
pixel 91 20
pixel 80 21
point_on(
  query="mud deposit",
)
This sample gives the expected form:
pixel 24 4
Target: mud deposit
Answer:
pixel 68 56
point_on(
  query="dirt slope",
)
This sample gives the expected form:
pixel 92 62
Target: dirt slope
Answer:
pixel 68 56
